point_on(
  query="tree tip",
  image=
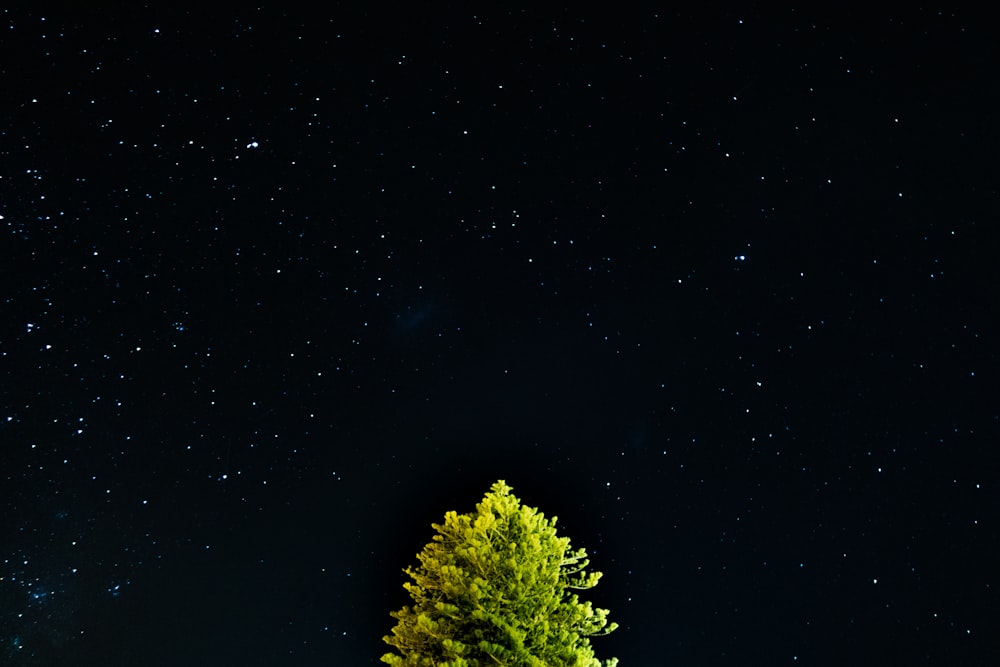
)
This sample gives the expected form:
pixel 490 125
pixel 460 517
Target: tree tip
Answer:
pixel 500 486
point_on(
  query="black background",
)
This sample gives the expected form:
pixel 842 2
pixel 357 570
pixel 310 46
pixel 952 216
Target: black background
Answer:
pixel 278 288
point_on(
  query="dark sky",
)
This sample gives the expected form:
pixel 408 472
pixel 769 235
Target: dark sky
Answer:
pixel 280 288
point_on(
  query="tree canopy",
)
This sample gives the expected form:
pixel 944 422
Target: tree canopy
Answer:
pixel 496 587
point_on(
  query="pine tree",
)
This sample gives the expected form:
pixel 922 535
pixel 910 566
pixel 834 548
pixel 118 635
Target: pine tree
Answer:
pixel 494 588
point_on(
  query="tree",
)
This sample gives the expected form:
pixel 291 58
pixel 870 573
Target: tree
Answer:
pixel 494 588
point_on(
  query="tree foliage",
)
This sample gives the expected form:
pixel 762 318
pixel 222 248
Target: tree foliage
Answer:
pixel 495 588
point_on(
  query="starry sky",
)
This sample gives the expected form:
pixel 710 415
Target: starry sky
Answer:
pixel 280 287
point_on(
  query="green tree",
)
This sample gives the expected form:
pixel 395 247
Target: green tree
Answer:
pixel 495 587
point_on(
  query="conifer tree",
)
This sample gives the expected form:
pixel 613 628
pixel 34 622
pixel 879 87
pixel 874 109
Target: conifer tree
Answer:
pixel 495 589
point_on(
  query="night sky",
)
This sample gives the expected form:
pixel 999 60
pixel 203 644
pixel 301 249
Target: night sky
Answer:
pixel 280 288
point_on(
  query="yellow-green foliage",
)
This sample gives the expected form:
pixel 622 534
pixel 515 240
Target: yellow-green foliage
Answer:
pixel 495 588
